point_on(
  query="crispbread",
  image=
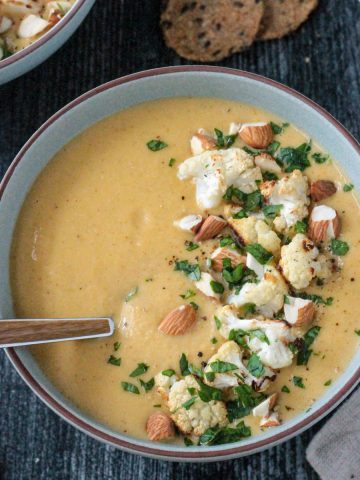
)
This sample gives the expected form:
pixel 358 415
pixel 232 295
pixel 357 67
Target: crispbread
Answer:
pixel 284 16
pixel 210 30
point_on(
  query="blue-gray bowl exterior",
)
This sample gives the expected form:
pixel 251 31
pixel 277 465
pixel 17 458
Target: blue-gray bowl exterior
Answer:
pixel 29 58
pixel 116 96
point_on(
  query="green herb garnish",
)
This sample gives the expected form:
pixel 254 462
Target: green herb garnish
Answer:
pixel 226 241
pixel 298 382
pixel 169 372
pixel 294 158
pixel 191 270
pixel 348 187
pixel 300 227
pixel 114 361
pixel 222 367
pixel 249 308
pixel 339 247
pixel 255 367
pixel 267 176
pixel 207 393
pixel 259 253
pixel 240 214
pixel 357 332
pixel 270 211
pixel 189 402
pixel 217 287
pixel 328 383
pixel 156 145
pixel 171 162
pixel 305 351
pixel 194 305
pixel 188 442
pixel 129 387
pixel 217 322
pixel 190 246
pixel 184 365
pixel 214 340
pixel 131 294
pixel 139 370
pixel 117 346
pixel 285 389
pixel 224 141
pixel 188 294
pixel 319 157
pixel 318 299
pixel 277 129
pixel 149 385
pixel 247 399
pixel 221 435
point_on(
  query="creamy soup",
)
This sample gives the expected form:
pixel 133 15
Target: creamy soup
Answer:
pixel 96 237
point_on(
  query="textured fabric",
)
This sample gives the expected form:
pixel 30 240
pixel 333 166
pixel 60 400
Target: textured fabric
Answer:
pixel 119 37
pixel 335 452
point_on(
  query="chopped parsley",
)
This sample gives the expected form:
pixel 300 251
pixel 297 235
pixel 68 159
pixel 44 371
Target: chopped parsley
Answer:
pixel 222 367
pixel 318 299
pixel 285 389
pixel 240 214
pixel 328 383
pixel 238 336
pixel 188 294
pixel 190 246
pixel 253 200
pixel 139 370
pixel 255 367
pixel 278 129
pixel 270 211
pixel 131 294
pixel 210 376
pixel 189 269
pixel 270 176
pixel 294 158
pixel 319 157
pixel 249 308
pixel 348 187
pixel 221 435
pixel 246 400
pixel 189 402
pixel 233 276
pixel 298 382
pixel 129 387
pixel 117 346
pixel 184 365
pixel 114 361
pixel 305 351
pixel 339 247
pixel 171 162
pixel 226 241
pixel 188 442
pixel 224 141
pixel 207 393
pixel 169 372
pixel 217 287
pixel 194 305
pixel 147 386
pixel 300 227
pixel 217 322
pixel 214 340
pixel 357 332
pixel 156 145
pixel 259 253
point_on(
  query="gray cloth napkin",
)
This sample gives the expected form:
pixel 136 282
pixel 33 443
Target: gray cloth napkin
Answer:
pixel 334 452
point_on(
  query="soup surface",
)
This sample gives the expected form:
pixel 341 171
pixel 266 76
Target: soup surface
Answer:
pixel 96 237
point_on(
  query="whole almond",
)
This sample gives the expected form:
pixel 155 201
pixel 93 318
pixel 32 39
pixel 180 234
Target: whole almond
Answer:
pixel 318 229
pixel 159 426
pixel 305 315
pixel 178 321
pixel 220 253
pixel 211 226
pixel 257 135
pixel 207 143
pixel 322 189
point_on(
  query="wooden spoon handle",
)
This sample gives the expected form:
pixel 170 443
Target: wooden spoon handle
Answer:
pixel 44 330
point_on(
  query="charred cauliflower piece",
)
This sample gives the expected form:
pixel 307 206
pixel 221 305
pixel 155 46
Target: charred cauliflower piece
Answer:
pixel 267 295
pixel 214 171
pixel 195 418
pixel 254 230
pixel 269 339
pixel 292 192
pixel 163 383
pixel 299 262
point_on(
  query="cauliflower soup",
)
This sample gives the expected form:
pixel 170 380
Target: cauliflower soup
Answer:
pixel 222 241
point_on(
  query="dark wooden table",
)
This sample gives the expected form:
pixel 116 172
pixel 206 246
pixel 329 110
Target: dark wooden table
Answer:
pixel 322 60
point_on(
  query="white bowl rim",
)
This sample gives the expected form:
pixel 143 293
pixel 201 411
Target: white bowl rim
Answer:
pixel 44 38
pixel 220 452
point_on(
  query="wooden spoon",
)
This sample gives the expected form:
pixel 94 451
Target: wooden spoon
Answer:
pixel 19 332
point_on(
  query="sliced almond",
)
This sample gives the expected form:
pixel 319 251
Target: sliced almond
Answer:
pixel 257 135
pixel 201 141
pixel 211 227
pixel 31 25
pixel 220 253
pixel 190 223
pixel 322 189
pixel 271 421
pixel 178 321
pixel 159 426
pixel 324 224
pixel 267 163
pixel 299 312
pixel 264 408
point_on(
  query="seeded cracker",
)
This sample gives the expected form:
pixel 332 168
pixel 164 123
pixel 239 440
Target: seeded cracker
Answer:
pixel 284 16
pixel 210 30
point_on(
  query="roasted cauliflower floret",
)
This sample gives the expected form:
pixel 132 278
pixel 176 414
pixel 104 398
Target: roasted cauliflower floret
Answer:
pixel 267 295
pixel 214 171
pixel 270 340
pixel 292 192
pixel 231 353
pixel 199 416
pixel 163 383
pixel 254 230
pixel 298 261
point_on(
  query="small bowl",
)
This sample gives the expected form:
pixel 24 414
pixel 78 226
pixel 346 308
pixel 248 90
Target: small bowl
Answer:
pixel 36 53
pixel 106 100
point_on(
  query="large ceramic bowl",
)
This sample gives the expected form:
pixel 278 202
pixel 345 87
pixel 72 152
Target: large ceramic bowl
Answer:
pixel 126 92
pixel 36 53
